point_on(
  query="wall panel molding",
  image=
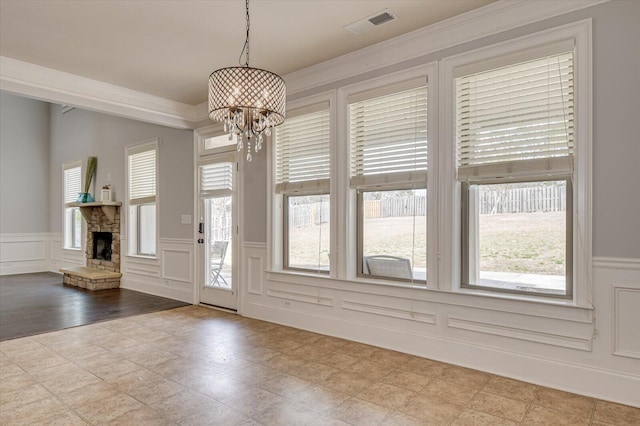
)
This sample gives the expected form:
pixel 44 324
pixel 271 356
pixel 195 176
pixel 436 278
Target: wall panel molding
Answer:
pixel 410 315
pixel 22 253
pixel 255 277
pixel 300 297
pixel 169 275
pixel 490 302
pixel 177 265
pixel 626 321
pixel 536 336
pixel 137 283
pixel 254 255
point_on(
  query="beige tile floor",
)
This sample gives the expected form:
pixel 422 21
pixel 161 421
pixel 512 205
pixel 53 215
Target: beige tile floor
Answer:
pixel 196 366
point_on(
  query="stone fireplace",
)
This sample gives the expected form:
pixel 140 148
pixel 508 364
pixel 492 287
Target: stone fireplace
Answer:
pixel 102 248
pixel 103 237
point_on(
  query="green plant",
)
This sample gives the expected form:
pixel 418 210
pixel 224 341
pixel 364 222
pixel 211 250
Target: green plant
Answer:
pixel 92 164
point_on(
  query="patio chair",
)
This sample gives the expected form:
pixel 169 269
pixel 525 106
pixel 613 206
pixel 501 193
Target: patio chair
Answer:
pixel 388 266
pixel 218 252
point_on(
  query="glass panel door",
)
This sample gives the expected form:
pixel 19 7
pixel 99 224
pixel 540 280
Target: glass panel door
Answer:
pixel 217 228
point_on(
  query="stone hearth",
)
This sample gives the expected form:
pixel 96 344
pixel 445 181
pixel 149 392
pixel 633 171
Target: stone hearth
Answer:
pixel 100 273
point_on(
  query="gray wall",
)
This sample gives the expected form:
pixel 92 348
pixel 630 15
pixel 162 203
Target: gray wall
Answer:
pixel 254 201
pixel 616 140
pixel 79 134
pixel 24 164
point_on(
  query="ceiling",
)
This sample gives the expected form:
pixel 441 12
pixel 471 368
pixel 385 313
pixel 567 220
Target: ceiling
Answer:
pixel 168 48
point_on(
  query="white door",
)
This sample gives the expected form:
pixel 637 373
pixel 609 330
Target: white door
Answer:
pixel 217 231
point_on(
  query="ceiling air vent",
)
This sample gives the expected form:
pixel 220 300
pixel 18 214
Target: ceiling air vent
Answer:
pixel 370 22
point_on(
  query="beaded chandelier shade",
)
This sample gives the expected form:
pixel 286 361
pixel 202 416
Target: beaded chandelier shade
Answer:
pixel 249 101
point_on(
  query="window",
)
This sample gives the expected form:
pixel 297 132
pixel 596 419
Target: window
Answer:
pixel 388 142
pixel 470 174
pixel 72 181
pixel 141 175
pixel 302 178
pixel 515 148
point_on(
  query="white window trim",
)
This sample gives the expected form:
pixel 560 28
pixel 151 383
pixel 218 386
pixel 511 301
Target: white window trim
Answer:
pixel 450 227
pixel 443 247
pixel 66 166
pixel 346 205
pixel 275 232
pixel 129 150
pixel 203 133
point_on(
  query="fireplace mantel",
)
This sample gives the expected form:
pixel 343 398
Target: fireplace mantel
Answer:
pixel 108 207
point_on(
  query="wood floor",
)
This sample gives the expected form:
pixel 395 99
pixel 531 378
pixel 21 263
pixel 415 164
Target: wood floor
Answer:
pixel 36 303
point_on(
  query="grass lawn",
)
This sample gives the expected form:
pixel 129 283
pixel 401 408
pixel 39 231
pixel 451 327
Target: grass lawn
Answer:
pixel 531 243
pixel 512 242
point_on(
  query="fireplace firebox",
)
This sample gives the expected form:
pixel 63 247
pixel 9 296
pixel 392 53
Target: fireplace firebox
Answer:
pixel 102 245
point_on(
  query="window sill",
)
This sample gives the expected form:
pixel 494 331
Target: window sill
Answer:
pixel 72 249
pixel 560 309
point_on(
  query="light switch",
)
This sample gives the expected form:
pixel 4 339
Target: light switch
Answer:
pixel 185 219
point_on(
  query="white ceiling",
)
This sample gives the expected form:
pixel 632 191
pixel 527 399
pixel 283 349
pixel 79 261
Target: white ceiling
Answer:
pixel 168 48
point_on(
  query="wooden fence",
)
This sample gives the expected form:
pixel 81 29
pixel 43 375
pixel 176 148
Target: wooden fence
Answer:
pixel 302 215
pixel 395 207
pixel 537 198
pixel 547 198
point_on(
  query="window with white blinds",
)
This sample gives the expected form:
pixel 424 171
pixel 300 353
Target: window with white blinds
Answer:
pixel 142 177
pixel 216 180
pixel 388 137
pixel 72 184
pixel 303 150
pixel 516 120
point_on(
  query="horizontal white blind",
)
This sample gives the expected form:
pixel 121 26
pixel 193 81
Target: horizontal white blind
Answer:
pixel 388 136
pixel 142 177
pixel 216 180
pixel 72 184
pixel 303 158
pixel 516 120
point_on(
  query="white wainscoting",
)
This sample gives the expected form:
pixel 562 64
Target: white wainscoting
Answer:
pixel 619 286
pixel 626 321
pixel 64 258
pixel 22 253
pixel 169 275
pixel 594 354
pixel 253 266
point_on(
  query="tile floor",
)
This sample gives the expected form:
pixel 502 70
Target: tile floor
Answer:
pixel 196 366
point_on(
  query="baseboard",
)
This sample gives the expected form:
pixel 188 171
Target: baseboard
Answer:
pixel 183 295
pixel 570 377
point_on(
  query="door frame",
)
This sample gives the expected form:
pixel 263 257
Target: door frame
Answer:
pixel 200 155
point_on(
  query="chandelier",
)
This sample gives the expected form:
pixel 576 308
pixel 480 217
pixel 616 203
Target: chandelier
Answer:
pixel 249 101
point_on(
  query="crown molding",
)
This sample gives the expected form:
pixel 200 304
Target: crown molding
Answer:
pixel 494 18
pixel 55 86
pixel 202 112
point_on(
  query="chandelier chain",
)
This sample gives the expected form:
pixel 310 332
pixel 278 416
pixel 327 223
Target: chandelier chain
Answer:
pixel 249 102
pixel 245 48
